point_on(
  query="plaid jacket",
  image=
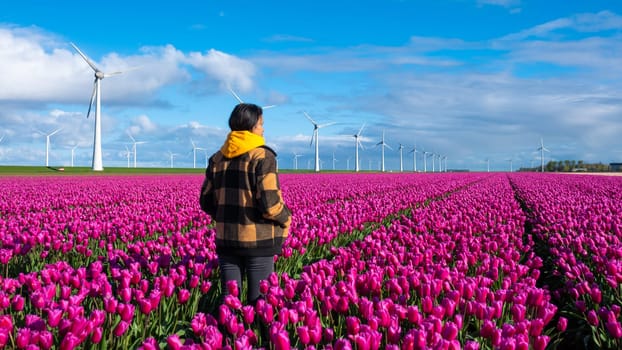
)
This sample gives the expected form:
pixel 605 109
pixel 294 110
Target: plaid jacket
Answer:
pixel 243 196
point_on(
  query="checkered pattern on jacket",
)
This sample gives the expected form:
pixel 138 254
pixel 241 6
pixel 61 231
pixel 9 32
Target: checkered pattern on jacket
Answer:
pixel 243 196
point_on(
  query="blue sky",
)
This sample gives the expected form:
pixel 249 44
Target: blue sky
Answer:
pixel 468 79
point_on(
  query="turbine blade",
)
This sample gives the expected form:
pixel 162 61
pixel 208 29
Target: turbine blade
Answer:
pixel 388 147
pixel 327 124
pixel 360 130
pixel 130 135
pixel 92 98
pixel 55 131
pixel 309 117
pixel 268 107
pixel 88 60
pixel 235 95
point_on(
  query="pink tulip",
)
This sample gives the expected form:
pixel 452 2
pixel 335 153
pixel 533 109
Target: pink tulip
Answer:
pixel 4 337
pixel 280 340
pixel 23 337
pixel 17 303
pixel 303 334
pixel 232 288
pixel 150 344
pixel 353 325
pixel 46 340
pixel 182 296
pixel 248 314
pixel 69 342
pixel 232 301
pixel 121 328
pixel 174 342
pixel 450 331
pixel 97 334
pixel 213 337
pixel 562 324
pixel 541 342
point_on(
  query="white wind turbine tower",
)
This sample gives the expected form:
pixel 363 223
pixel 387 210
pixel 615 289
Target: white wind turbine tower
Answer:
pixel 414 152
pixel 542 149
pixel 357 143
pixel 97 164
pixel 316 127
pixel 433 155
pixel 240 100
pixel 334 160
pixel 194 153
pixel 134 146
pixel 383 144
pixel 488 164
pixel 511 168
pixel 445 159
pixel 128 154
pixel 401 160
pixel 425 161
pixel 72 152
pixel 47 144
pixel 172 155
pixel 296 160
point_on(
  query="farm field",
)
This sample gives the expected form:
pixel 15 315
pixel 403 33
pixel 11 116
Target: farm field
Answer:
pixel 373 261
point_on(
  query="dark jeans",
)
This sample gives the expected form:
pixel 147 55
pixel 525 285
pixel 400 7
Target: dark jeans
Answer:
pixel 254 268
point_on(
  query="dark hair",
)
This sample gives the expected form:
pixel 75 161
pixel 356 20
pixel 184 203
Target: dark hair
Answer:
pixel 244 116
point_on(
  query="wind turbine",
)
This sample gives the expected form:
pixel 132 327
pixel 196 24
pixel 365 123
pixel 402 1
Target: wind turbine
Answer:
pixel 316 127
pixel 127 154
pixel 172 155
pixel 433 155
pixel 383 144
pixel 510 160
pixel 445 158
pixel 542 149
pixel 488 164
pixel 134 146
pixel 194 153
pixel 357 142
pixel 414 152
pixel 47 144
pixel 425 161
pixel 296 160
pixel 97 164
pixel 240 100
pixel 72 151
pixel 334 160
pixel 401 162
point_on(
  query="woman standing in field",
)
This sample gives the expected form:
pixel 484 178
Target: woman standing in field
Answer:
pixel 241 192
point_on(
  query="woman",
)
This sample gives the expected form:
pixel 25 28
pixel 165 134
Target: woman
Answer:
pixel 241 192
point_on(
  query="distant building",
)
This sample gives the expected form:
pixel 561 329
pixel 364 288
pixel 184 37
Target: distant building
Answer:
pixel 615 166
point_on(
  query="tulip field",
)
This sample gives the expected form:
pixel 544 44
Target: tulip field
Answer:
pixel 373 261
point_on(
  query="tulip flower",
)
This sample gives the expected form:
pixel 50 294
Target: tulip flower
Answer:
pixel 213 337
pixel 614 328
pixel 303 334
pixel 562 324
pixel 280 340
pixel 353 325
pixel 182 296
pixel 121 328
pixel 174 342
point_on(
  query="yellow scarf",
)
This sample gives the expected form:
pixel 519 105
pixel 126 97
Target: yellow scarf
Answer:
pixel 240 142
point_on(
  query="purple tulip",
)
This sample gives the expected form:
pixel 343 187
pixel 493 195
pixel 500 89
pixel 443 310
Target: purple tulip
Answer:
pixel 592 318
pixel 614 328
pixel 562 324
